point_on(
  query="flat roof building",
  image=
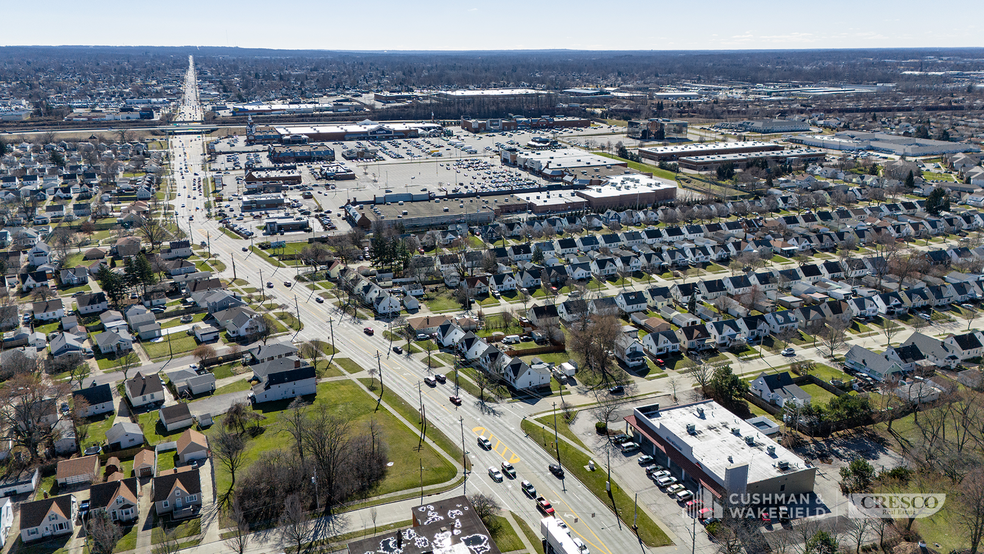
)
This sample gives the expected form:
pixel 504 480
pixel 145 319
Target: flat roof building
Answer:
pixel 705 444
pixel 437 213
pixel 541 202
pixel 884 142
pixel 554 164
pixel 705 163
pixel 629 190
pixel 364 130
pixel 263 202
pixel 301 153
pixel 766 126
pixel 676 151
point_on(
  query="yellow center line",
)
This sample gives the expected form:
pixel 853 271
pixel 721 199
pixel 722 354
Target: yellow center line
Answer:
pixel 582 520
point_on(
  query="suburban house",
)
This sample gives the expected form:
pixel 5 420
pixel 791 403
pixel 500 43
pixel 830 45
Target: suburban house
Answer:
pixel 661 342
pixel 23 482
pixel 629 351
pixel 874 365
pixel 192 445
pixel 631 302
pixel 239 321
pixel 282 378
pixel 123 435
pixel 177 492
pixel 120 499
pixel 965 346
pixel 778 389
pixel 48 517
pixel 522 376
pixel 694 337
pixel 48 311
pixel 176 417
pixel 933 350
pixel 77 471
pixel 74 277
pixel 98 399
pixel 143 390
pixel 92 303
pixel 545 315
pixel 114 342
pixel 187 382
pixel 145 463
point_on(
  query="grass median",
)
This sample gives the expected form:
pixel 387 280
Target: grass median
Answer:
pixel 576 463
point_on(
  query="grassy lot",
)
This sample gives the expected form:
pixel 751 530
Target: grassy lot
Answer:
pixel 576 462
pixel 555 358
pixel 190 528
pixel 72 290
pixel 154 430
pixel 532 537
pixel 225 370
pixel 235 386
pixel 818 395
pixel 270 260
pixel 196 318
pixel 98 425
pixel 444 302
pixel 290 320
pixel 644 168
pixel 505 536
pixel 180 343
pixel 230 234
pixel 57 545
pixel 562 427
pixel 129 539
pixel 490 301
pixel 411 414
pixel 347 365
pixel 349 402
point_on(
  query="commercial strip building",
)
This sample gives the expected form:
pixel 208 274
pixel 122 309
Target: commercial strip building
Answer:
pixel 255 202
pixel 555 164
pixel 884 142
pixel 674 152
pixel 766 126
pixel 301 153
pixel 443 526
pixel 705 445
pixel 518 122
pixel 706 163
pixel 629 190
pixel 364 130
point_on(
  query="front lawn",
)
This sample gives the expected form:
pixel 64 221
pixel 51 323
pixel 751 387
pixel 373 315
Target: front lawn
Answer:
pixel 154 431
pixel 235 386
pixel 178 343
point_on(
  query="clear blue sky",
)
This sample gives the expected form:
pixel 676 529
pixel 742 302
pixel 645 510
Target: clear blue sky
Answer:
pixel 498 25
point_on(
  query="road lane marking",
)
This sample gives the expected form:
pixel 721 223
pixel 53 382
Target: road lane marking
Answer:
pixel 512 459
pixel 582 520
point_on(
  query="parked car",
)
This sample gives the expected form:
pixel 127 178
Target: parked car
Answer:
pixel 683 495
pixel 666 481
pixel 617 389
pixel 620 438
pixel 673 489
pixel 645 459
pixel 627 447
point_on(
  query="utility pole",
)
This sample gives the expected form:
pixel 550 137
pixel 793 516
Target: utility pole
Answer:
pixel 379 366
pixel 262 286
pixel 464 456
pixel 556 439
pixel 331 331
pixel 233 268
pixel 297 308
pixel 208 237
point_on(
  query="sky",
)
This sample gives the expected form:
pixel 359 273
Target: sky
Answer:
pixel 498 25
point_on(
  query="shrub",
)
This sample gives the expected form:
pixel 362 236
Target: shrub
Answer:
pixel 601 427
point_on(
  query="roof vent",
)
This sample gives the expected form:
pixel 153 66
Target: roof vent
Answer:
pixel 771 450
pixel 736 431
pixel 691 428
pixel 750 440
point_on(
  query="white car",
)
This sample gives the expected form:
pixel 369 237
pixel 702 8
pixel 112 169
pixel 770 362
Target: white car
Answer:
pixel 495 474
pixel 788 352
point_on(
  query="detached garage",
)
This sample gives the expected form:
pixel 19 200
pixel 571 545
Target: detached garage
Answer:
pixel 77 471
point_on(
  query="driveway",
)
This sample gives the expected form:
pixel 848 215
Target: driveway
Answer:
pixel 218 404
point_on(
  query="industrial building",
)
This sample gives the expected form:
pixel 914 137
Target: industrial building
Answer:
pixel 439 527
pixel 708 163
pixel 302 153
pixel 498 93
pixel 437 213
pixel 884 142
pixel 766 126
pixel 518 122
pixel 657 129
pixel 705 445
pixel 629 190
pixel 674 152
pixel 488 125
pixel 554 164
pixel 540 202
pixel 289 176
pixel 364 130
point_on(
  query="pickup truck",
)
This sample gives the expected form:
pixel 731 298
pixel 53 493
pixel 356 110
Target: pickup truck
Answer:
pixel 544 506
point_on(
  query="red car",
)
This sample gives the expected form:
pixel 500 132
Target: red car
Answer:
pixel 368 331
pixel 455 400
pixel 544 506
pixel 660 361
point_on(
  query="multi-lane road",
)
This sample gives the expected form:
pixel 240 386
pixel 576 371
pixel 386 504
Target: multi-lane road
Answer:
pixel 586 514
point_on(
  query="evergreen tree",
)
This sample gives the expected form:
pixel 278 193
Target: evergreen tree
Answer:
pixel 537 255
pixel 113 284
pixel 938 201
pixel 910 180
pixel 692 303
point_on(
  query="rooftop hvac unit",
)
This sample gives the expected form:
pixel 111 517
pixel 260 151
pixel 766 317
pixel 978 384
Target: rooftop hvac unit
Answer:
pixel 783 465
pixel 691 428
pixel 749 440
pixel 771 450
pixel 736 431
pixel 700 412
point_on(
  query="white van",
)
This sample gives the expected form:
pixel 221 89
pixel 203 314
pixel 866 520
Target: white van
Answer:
pixel 511 339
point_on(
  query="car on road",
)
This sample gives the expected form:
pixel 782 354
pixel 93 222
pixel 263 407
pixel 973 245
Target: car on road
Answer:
pixel 495 474
pixel 455 400
pixel 397 350
pixel 921 315
pixel 645 459
pixel 430 381
pixel 556 470
pixel 368 331
pixel 528 489
pixel 244 248
pixel 788 351
pixel 287 283
pixel 440 378
pixel 269 284
pixel 544 506
pixel 485 443
pixel 508 470
pixel 617 389
pixel 319 300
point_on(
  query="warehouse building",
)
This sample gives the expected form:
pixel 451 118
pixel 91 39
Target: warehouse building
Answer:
pixel 657 129
pixel 884 142
pixel 629 190
pixel 708 163
pixel 364 130
pixel 437 213
pixel 540 202
pixel 289 176
pixel 766 126
pixel 554 164
pixel 674 152
pixel 301 153
pixel 705 445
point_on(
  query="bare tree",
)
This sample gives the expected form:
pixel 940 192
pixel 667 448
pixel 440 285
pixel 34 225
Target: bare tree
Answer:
pixel 127 361
pixel 293 422
pixel 168 544
pixel 42 294
pixel 858 528
pixel 314 350
pixel 702 379
pixel 971 514
pixel 26 400
pixel 294 528
pixel 833 333
pixel 241 417
pixel 241 537
pixel 486 508
pixel 230 450
pixel 103 532
pixel 203 352
pixel 889 329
